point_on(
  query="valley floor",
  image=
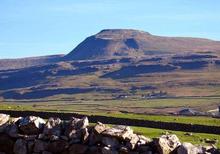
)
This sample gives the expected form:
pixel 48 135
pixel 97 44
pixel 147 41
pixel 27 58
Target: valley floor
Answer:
pixel 105 108
pixel 89 105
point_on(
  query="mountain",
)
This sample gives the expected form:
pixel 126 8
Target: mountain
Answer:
pixel 113 43
pixel 118 64
pixel 6 64
pixel 121 43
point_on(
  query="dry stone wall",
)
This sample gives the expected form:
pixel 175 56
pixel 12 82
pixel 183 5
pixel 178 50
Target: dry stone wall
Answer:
pixel 34 135
pixel 122 121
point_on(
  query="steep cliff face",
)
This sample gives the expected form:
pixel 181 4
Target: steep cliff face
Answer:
pixel 133 43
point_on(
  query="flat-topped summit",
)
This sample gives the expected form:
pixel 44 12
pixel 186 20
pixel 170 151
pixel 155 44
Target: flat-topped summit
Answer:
pixel 110 43
pixel 120 33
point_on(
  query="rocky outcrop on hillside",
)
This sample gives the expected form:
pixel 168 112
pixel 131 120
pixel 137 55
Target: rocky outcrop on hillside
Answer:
pixel 34 135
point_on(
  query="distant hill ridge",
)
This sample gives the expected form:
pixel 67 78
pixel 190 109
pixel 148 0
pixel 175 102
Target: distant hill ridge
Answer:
pixel 6 64
pixel 120 43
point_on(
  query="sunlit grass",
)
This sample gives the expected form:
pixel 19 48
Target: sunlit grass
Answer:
pixel 195 138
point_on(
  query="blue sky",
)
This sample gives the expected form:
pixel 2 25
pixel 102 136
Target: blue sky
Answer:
pixel 44 27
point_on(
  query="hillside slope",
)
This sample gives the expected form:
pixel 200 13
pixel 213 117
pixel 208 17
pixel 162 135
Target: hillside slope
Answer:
pixel 6 64
pixel 133 43
pixel 120 65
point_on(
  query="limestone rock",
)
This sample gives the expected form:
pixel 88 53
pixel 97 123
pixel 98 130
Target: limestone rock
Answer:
pixel 75 127
pixel 144 140
pixel 131 144
pixel 20 147
pixel 53 127
pixel 75 135
pixel 30 135
pixel 15 120
pixel 99 128
pixel 166 144
pixel 85 135
pixel 121 132
pixel 4 118
pixel 95 135
pixel 79 123
pixel 188 148
pixel 31 125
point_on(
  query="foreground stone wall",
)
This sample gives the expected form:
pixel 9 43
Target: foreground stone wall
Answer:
pixel 34 135
pixel 122 121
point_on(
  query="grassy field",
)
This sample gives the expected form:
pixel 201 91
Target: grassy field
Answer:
pixel 176 119
pixel 88 103
pixel 99 108
pixel 195 138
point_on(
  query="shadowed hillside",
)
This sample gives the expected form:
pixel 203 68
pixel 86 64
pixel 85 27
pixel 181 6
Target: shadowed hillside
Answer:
pixel 6 64
pixel 120 65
